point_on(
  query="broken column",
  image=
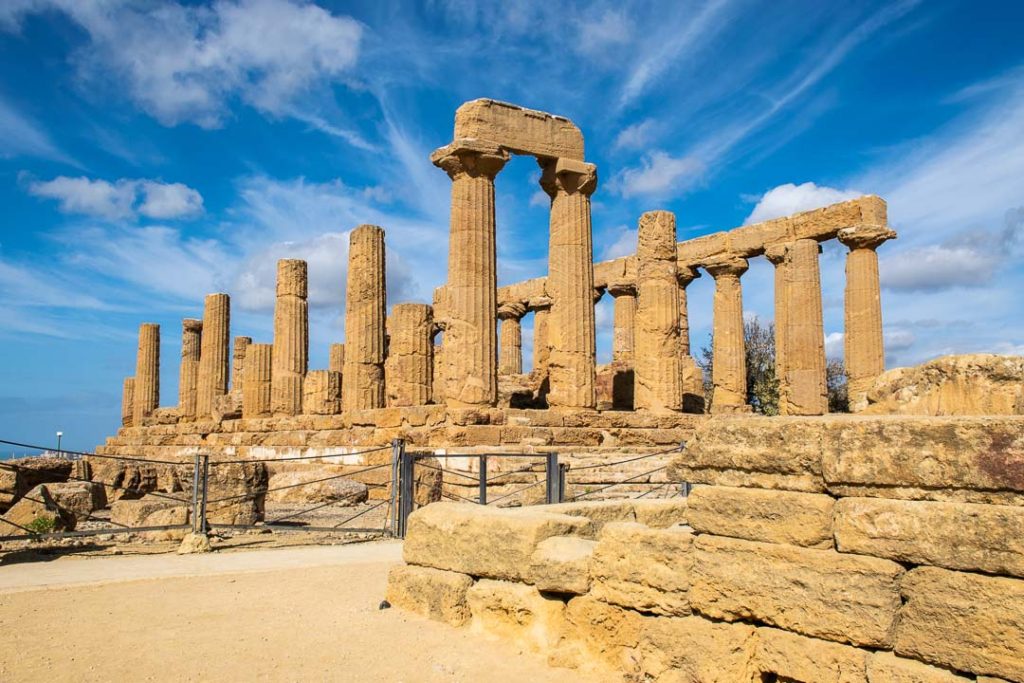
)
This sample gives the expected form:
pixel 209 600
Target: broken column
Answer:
pixel 623 322
pixel 147 373
pixel 863 344
pixel 241 344
pixel 729 373
pixel 291 337
pixel 213 358
pixel 776 254
pixel 470 338
pixel 692 377
pixel 321 392
pixel 409 367
pixel 657 376
pixel 257 376
pixel 510 347
pixel 127 401
pixel 336 358
pixel 806 392
pixel 365 301
pixel 572 365
pixel 188 376
pixel 541 345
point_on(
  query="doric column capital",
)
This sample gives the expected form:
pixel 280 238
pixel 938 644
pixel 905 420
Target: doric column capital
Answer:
pixel 727 266
pixel 686 275
pixel 539 303
pixel 866 236
pixel 617 289
pixel 776 253
pixel 511 310
pixel 192 325
pixel 568 176
pixel 470 157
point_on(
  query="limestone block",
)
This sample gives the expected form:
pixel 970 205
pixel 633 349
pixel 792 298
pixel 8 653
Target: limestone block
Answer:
pixel 818 593
pixel 134 513
pixel 600 512
pixel 988 538
pixel 241 344
pixel 660 514
pixel 256 382
pixel 227 406
pixel 482 541
pixel 336 358
pixel 963 621
pixel 695 649
pixel 516 612
pixel 642 568
pixel 605 633
pixel 315 485
pixel 433 593
pixel 561 564
pixel 37 511
pixel 770 452
pixel 791 657
pixel 321 393
pixel 803 519
pixel 409 368
pixel 236 492
pixel 520 130
pixel 19 476
pixel 885 667
pixel 79 497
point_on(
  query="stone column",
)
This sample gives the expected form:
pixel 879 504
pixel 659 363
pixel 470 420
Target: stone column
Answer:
pixel 321 392
pixel 776 254
pixel 623 338
pixel 409 369
pixel 213 357
pixel 365 320
pixel 541 343
pixel 692 377
pixel 336 358
pixel 470 337
pixel 805 333
pixel 657 375
pixel 510 349
pixel 127 401
pixel 147 373
pixel 238 362
pixel 188 377
pixel 291 337
pixel 729 348
pixel 572 366
pixel 257 377
pixel 863 344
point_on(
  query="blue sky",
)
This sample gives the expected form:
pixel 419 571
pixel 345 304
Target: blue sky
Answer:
pixel 154 151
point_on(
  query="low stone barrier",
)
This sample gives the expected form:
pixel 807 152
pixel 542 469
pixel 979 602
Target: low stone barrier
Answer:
pixel 870 550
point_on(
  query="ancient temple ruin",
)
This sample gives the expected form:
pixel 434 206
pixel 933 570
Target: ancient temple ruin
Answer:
pixel 451 374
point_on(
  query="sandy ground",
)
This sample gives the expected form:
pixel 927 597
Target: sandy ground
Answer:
pixel 295 614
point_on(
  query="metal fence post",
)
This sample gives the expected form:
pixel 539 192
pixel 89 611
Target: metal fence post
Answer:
pixel 203 525
pixel 482 496
pixel 396 452
pixel 563 468
pixel 406 491
pixel 551 473
pixel 195 494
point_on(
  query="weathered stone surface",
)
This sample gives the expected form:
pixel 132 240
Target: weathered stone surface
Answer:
pixel 238 351
pixel 730 371
pixel 309 486
pixel 194 543
pixel 409 368
pixel 818 593
pixel 804 358
pixel 980 384
pixel 37 511
pixel 695 649
pixel 803 519
pixel 597 631
pixel 227 406
pixel 660 514
pixel 561 564
pixel 291 337
pixel 321 393
pixel 434 593
pixel 791 657
pixel 214 355
pixel 136 513
pixel 147 373
pixel 236 492
pixel 988 538
pixel 79 497
pixel 600 512
pixel 188 374
pixel 521 130
pixel 365 320
pixel 644 569
pixel 964 621
pixel 885 667
pixel 483 541
pixel 257 379
pixel 123 478
pixel 19 476
pixel 515 612
pixel 128 402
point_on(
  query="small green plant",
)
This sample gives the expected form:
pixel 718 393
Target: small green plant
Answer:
pixel 42 525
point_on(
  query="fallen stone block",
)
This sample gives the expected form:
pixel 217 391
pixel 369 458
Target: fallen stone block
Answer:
pixel 21 475
pixel 695 649
pixel 642 568
pixel 660 514
pixel 434 593
pixel 37 512
pixel 968 536
pixel 80 497
pixel 791 657
pixel 561 564
pixel 482 541
pixel 803 519
pixel 516 612
pixel 967 622
pixel 600 512
pixel 819 593
pixel 143 512
pixel 885 667
pixel 604 633
pixel 315 485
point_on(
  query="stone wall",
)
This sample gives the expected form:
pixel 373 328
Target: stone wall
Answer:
pixel 810 549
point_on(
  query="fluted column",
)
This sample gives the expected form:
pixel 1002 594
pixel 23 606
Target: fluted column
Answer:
pixel 440 324
pixel 365 312
pixel 409 368
pixel 572 366
pixel 624 321
pixel 188 377
pixel 692 377
pixel 863 344
pixel 241 344
pixel 510 348
pixel 213 358
pixel 257 377
pixel 336 358
pixel 805 338
pixel 291 337
pixel 470 338
pixel 147 373
pixel 776 254
pixel 729 348
pixel 657 375
pixel 541 344
pixel 127 401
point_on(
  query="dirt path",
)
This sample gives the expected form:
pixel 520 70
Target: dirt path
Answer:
pixel 275 615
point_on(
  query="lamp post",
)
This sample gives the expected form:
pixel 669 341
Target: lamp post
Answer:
pixel 59 435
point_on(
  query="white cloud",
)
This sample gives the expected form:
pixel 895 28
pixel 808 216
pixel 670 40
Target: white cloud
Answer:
pixel 624 244
pixel 659 174
pixel 20 136
pixel 612 28
pixel 789 199
pixel 898 339
pixel 121 199
pixel 635 136
pixel 540 199
pixel 834 344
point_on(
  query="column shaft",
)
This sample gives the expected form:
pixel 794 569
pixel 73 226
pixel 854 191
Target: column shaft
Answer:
pixel 238 350
pixel 776 254
pixel 624 321
pixel 657 373
pixel 213 358
pixel 188 377
pixel 257 380
pixel 321 392
pixel 336 358
pixel 541 346
pixel 692 377
pixel 291 337
pixel 147 373
pixel 365 320
pixel 127 401
pixel 510 350
pixel 729 347
pixel 805 338
pixel 409 369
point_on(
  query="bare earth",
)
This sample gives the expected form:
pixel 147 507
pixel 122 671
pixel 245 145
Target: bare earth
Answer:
pixel 294 614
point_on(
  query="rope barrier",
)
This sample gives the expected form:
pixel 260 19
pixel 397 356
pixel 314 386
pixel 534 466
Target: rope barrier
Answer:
pixel 623 462
pixel 360 514
pixel 509 495
pixel 298 457
pixel 292 486
pixel 8 465
pixel 624 481
pixel 130 458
